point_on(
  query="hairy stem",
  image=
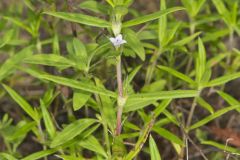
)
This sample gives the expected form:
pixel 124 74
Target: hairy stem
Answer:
pixel 120 96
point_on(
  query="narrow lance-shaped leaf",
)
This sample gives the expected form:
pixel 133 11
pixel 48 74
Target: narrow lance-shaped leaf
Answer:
pixel 154 153
pixel 71 131
pixel 92 144
pixel 137 101
pixel 22 103
pixel 177 74
pixel 47 120
pixel 70 83
pixel 9 65
pixel 168 135
pixel 49 60
pixel 150 17
pixel 205 105
pixel 213 116
pixel 80 18
pixel 222 80
pixel 134 43
pixel 201 61
pixel 162 25
pixel 185 40
pixel 40 154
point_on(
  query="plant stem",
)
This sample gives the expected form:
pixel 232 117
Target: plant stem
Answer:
pixel 120 96
pixel 189 120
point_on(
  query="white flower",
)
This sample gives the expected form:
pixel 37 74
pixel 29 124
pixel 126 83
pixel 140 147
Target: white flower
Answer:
pixel 117 41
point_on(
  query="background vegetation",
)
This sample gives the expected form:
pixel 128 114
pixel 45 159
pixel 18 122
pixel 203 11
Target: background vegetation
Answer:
pixel 170 92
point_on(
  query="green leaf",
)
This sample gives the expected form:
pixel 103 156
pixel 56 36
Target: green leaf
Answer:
pixel 9 65
pixel 22 103
pixel 222 147
pixel 134 43
pixel 154 153
pixel 212 117
pixel 94 6
pixel 7 156
pixel 80 50
pixel 49 60
pixel 177 74
pixel 186 40
pixel 161 107
pixel 230 100
pixel 163 95
pixel 91 143
pixel 222 80
pixel 19 23
pixel 80 18
pixel 130 77
pixel 201 61
pixel 137 101
pixel 7 37
pixel 66 157
pixel 22 131
pixel 80 98
pixel 150 17
pixel 84 86
pixel 205 105
pixel 168 135
pixel 162 25
pixel 47 120
pixel 71 131
pixel 40 154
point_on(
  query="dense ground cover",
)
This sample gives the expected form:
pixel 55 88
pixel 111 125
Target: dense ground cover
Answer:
pixel 119 79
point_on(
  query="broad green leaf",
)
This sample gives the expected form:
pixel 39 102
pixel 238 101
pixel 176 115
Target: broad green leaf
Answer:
pixel 154 153
pixel 205 105
pixel 134 43
pixel 49 60
pixel 80 98
pixel 201 61
pixel 177 74
pixel 186 40
pixel 222 147
pixel 80 18
pixel 22 103
pixel 150 17
pixel 7 156
pixel 71 131
pixel 222 80
pixel 91 143
pixel 168 135
pixel 47 120
pixel 40 154
pixel 212 117
pixel 84 86
pixel 9 65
